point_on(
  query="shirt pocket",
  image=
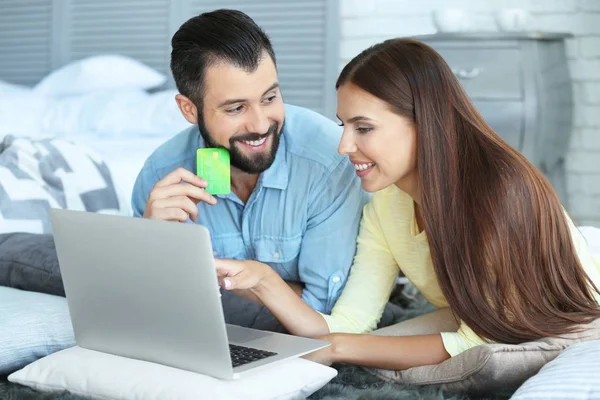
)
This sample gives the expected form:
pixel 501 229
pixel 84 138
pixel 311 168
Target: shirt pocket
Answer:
pixel 229 246
pixel 281 254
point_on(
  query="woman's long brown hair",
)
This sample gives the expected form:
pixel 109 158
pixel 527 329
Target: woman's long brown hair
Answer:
pixel 498 234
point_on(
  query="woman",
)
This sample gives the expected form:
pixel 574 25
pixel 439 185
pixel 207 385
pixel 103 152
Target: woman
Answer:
pixel 467 219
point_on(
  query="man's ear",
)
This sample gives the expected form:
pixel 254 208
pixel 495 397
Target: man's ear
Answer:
pixel 187 108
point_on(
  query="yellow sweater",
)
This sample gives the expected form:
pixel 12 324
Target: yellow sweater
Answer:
pixel 389 241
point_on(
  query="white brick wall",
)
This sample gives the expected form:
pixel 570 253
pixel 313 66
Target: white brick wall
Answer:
pixel 365 22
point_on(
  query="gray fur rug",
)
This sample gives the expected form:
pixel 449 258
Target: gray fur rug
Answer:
pixel 351 383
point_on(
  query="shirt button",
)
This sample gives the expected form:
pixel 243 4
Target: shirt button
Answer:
pixel 276 254
pixel 336 279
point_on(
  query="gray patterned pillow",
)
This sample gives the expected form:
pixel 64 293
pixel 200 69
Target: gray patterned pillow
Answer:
pixel 36 175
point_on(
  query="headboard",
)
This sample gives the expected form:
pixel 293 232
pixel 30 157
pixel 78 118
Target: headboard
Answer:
pixel 37 36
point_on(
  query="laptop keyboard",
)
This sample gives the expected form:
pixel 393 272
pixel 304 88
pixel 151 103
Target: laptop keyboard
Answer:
pixel 241 355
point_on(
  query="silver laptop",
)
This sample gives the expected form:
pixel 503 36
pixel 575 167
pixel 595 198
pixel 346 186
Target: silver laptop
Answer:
pixel 148 290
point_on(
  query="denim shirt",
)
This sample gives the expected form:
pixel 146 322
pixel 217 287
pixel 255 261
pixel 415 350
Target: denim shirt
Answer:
pixel 303 216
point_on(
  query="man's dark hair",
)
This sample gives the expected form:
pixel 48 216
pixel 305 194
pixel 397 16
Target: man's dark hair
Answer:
pixel 217 36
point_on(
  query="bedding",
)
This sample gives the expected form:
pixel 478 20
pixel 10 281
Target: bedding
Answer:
pixel 21 114
pixel 115 113
pixel 100 102
pixel 33 325
pixel 28 261
pixel 122 113
pixel 106 95
pixel 352 383
pixel 36 175
pixel 106 376
pixel 99 73
pixel 7 87
pixel 124 157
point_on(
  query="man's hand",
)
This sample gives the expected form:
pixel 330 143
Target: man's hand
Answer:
pixel 171 200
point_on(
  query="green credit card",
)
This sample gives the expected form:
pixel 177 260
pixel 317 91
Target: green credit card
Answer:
pixel 213 165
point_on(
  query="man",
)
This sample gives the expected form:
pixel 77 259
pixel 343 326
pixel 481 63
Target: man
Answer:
pixel 295 203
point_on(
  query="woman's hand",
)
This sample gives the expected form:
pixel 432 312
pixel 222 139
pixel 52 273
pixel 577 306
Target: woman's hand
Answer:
pixel 241 275
pixel 259 283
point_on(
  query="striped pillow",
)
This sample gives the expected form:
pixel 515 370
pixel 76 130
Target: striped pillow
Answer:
pixel 574 374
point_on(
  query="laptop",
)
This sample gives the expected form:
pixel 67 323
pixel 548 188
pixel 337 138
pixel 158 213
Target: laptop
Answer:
pixel 148 290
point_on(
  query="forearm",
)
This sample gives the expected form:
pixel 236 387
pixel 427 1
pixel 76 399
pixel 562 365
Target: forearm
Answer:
pixel 388 352
pixel 287 306
pixel 249 295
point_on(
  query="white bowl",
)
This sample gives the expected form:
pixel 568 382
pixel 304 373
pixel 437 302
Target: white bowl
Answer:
pixel 512 19
pixel 450 20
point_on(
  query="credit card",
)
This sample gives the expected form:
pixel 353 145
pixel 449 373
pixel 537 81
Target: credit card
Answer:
pixel 213 165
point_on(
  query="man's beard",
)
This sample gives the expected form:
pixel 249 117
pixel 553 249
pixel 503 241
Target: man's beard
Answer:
pixel 256 164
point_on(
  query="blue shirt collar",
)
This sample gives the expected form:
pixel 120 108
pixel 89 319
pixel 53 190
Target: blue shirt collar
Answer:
pixel 276 176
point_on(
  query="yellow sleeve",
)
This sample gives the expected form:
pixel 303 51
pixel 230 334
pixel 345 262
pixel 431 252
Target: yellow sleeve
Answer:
pixel 461 340
pixel 589 261
pixel 371 279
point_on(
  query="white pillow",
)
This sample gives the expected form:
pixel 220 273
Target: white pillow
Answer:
pixel 126 112
pixel 22 113
pixel 81 115
pixel 114 113
pixel 154 114
pixel 99 375
pixel 7 87
pixel 99 73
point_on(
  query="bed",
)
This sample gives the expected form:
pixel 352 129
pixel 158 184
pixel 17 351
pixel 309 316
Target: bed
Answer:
pixel 112 112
